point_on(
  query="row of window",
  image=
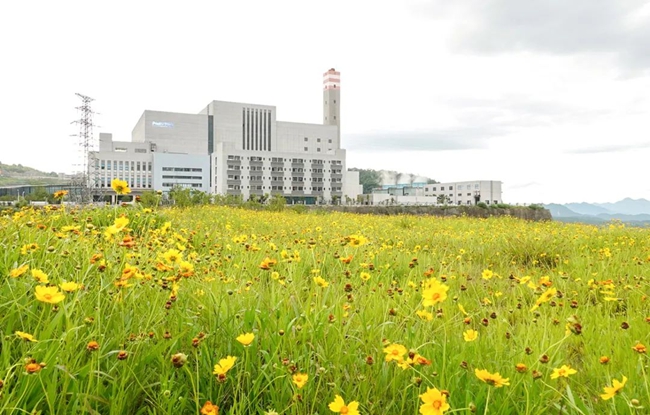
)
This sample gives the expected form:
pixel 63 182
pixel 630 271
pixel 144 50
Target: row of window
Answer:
pixel 124 150
pixel 281 169
pixel 137 183
pixel 181 169
pixel 282 178
pixel 329 140
pixel 194 185
pixel 120 165
pixel 282 160
pixel 458 187
pixel 183 177
pixel 318 149
pixel 291 188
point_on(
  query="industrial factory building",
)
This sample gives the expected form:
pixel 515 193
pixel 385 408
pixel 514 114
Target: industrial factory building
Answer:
pixel 234 149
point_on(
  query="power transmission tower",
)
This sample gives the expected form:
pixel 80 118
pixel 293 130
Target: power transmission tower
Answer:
pixel 87 178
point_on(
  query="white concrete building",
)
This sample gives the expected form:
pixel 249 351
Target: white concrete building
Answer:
pixel 456 193
pixel 234 148
pixel 466 193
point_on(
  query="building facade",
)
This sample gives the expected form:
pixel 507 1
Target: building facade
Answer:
pixel 466 193
pixel 456 193
pixel 235 149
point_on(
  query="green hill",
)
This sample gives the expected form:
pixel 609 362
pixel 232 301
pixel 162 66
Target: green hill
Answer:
pixel 17 174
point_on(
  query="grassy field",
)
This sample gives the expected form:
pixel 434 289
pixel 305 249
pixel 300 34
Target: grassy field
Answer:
pixel 131 311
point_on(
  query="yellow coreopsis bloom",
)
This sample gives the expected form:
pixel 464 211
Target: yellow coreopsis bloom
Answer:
pixel 611 391
pixel 120 223
pixel 487 274
pixel 300 379
pixel 320 281
pixel 435 402
pixel 121 187
pixel 494 379
pixel 209 408
pixel 173 256
pixel 435 293
pixel 60 194
pixel 224 365
pixel 70 286
pixel 395 352
pixel 356 240
pixel 17 272
pixel 26 336
pixel 29 248
pixel 48 294
pixel 424 315
pixel 40 276
pixel 340 407
pixel 544 298
pixel 246 339
pixel 564 371
pixel 470 335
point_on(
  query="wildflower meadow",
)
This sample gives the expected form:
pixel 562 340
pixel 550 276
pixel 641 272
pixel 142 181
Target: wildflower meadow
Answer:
pixel 220 310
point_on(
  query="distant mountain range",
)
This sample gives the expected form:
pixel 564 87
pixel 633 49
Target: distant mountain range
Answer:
pixel 633 211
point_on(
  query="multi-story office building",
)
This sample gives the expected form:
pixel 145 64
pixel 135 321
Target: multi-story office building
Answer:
pixel 236 149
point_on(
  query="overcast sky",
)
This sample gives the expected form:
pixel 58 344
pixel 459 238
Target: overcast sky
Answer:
pixel 552 97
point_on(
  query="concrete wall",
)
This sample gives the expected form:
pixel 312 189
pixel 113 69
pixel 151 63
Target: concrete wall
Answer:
pixel 173 132
pixel 293 137
pixel 181 169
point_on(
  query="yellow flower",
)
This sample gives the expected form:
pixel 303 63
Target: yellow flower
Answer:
pixel 70 286
pixel 246 339
pixel 494 379
pixel 435 293
pixel 320 281
pixel 48 294
pixel 470 335
pixel 395 352
pixel 120 223
pixel 40 276
pixel 339 406
pixel 300 379
pixel 173 256
pixel 186 269
pixel 224 365
pixel 26 249
pixel 611 391
pixel 209 408
pixel 564 371
pixel 365 276
pixel 487 274
pixel 26 336
pixel 121 187
pixel 17 272
pixel 424 315
pixel 356 240
pixel 462 309
pixel 268 263
pixel 544 298
pixel 60 194
pixel 435 402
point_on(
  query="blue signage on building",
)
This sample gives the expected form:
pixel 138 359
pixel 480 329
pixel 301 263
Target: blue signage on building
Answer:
pixel 162 124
